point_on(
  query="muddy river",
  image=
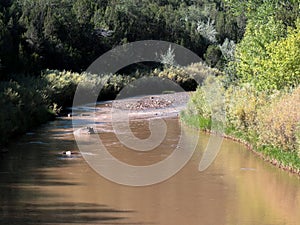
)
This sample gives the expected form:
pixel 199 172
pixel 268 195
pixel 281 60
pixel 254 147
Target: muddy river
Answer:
pixel 40 185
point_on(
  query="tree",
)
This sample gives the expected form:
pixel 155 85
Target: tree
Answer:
pixel 281 67
pixel 285 10
pixel 252 50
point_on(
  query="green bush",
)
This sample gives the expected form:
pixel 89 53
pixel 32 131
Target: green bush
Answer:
pixel 213 56
pixel 269 55
pixel 252 50
pixel 188 77
pixel 281 69
pixel 198 106
pixel 206 105
pixel 23 106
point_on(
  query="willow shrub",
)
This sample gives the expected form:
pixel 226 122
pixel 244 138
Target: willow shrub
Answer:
pixel 242 105
pixel 24 104
pixel 206 102
pixel 61 85
pixel 279 122
pixel 266 120
pixel 188 77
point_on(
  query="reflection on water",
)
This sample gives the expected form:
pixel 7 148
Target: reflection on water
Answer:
pixel 38 187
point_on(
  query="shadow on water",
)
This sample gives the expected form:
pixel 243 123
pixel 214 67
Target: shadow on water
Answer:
pixel 60 213
pixel 24 175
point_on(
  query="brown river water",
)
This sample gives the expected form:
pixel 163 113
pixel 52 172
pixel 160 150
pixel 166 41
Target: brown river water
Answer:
pixel 38 185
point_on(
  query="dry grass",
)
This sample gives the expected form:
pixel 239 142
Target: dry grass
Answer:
pixel 279 122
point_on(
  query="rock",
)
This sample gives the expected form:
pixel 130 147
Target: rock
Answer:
pixel 85 130
pixel 68 153
pixel 71 154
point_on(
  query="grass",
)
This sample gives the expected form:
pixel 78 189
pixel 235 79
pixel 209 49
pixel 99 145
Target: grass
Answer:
pixel 196 121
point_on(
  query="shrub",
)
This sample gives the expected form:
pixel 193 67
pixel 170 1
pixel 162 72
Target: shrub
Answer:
pixel 242 104
pixel 279 122
pixel 207 105
pixel 188 77
pixel 213 56
pixel 200 71
pixel 61 86
pixel 23 105
pixel 198 105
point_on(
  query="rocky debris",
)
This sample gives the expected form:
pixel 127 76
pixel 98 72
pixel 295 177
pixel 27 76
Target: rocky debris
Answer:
pixel 85 130
pixel 150 103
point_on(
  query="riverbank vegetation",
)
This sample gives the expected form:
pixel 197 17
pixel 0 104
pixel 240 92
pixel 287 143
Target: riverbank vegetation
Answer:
pixel 27 101
pixel 54 36
pixel 262 101
pixel 251 48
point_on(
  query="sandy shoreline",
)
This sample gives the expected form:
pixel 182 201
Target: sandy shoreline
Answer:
pixel 148 107
pixel 141 107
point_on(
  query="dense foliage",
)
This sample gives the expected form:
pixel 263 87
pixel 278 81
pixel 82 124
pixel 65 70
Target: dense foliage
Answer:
pixel 254 47
pixel 261 86
pixel 27 101
pixel 271 123
pixel 267 56
pixel 71 34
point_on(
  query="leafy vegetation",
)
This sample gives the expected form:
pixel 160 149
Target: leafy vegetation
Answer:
pixel 268 57
pixel 70 34
pixel 28 101
pixel 253 47
pixel 270 122
pixel 261 83
pixel 278 122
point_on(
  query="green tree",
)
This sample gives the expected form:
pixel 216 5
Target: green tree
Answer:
pixel 252 50
pixel 282 68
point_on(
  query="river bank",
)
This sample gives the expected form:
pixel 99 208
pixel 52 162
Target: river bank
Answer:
pixel 267 158
pixel 28 101
pixel 170 105
pixel 265 123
